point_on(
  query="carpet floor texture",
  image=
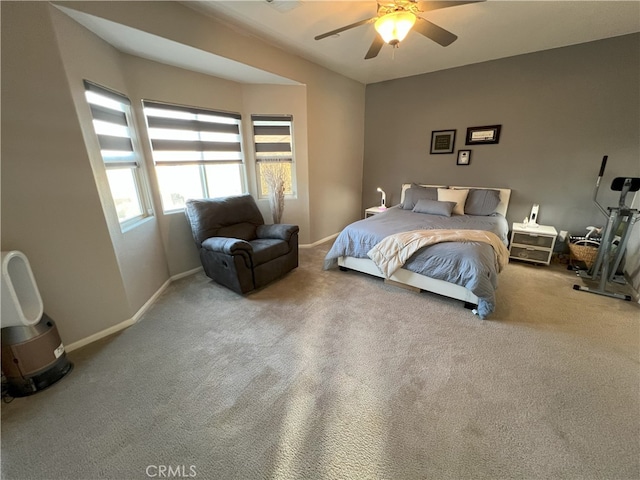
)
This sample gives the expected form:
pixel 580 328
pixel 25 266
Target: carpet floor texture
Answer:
pixel 337 375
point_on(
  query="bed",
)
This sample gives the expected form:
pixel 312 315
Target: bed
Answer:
pixel 466 270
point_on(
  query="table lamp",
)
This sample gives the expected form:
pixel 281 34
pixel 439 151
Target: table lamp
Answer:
pixel 383 201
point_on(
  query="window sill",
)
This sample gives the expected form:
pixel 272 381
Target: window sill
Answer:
pixel 174 211
pixel 134 223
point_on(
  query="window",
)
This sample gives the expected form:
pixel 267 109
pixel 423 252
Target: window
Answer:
pixel 273 144
pixel 111 114
pixel 197 152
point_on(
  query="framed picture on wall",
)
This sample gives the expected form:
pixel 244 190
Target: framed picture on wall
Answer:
pixel 464 157
pixel 442 141
pixel 482 135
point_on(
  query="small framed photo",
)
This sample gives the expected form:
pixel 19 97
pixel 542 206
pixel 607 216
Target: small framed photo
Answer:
pixel 483 135
pixel 442 141
pixel 464 157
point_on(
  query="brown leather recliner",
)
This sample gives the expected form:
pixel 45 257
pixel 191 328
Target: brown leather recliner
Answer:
pixel 237 249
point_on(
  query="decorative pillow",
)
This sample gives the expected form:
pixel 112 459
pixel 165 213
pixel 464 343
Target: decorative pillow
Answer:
pixel 434 207
pixel 415 193
pixel 482 202
pixel 457 196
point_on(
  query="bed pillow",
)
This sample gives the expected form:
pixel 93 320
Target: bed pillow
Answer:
pixel 434 207
pixel 457 196
pixel 415 193
pixel 482 202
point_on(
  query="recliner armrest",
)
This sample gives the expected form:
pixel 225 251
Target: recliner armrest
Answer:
pixel 230 246
pixel 280 231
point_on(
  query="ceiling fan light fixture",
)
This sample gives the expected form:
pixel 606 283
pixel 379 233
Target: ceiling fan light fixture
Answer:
pixel 394 27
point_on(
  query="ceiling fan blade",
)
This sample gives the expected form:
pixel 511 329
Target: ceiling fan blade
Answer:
pixel 427 6
pixel 342 29
pixel 434 32
pixel 375 47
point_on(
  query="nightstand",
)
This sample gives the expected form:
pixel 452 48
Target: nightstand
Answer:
pixel 532 244
pixel 369 212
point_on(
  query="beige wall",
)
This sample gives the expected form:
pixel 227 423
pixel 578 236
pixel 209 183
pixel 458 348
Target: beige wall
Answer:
pixel 335 104
pixel 335 158
pixel 56 205
pixel 51 209
pixel 279 99
pixel 154 81
pixel 139 251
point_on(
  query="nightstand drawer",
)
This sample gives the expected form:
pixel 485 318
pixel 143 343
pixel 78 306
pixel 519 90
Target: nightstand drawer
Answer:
pixel 532 239
pixel 531 254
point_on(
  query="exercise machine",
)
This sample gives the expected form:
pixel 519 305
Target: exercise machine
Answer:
pixel 620 221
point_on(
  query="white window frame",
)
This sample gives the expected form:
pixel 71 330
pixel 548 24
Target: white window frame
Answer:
pixel 122 149
pixel 279 151
pixel 200 142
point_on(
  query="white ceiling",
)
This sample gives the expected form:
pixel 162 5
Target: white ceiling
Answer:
pixel 163 50
pixel 486 31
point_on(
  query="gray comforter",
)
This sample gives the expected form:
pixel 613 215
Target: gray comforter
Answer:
pixel 469 264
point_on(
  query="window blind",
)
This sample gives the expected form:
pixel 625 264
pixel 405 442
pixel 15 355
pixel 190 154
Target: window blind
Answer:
pixel 187 135
pixel 110 110
pixel 272 137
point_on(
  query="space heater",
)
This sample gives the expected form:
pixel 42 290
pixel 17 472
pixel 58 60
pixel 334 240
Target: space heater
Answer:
pixel 33 355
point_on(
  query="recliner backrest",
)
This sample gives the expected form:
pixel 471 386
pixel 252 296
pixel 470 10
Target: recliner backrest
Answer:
pixel 234 217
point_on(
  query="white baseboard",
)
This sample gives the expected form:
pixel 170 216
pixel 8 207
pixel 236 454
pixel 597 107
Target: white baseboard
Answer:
pixel 315 244
pixel 131 321
pixel 97 336
pixel 188 273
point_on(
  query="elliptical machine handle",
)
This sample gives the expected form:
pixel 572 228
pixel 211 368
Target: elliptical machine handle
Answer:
pixel 602 167
pixel 595 191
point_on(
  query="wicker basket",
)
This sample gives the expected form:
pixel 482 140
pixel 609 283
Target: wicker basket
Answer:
pixel 584 251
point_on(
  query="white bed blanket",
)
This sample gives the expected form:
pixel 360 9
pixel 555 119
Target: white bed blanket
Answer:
pixel 393 251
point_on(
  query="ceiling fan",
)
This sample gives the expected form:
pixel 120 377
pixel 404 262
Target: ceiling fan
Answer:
pixel 394 20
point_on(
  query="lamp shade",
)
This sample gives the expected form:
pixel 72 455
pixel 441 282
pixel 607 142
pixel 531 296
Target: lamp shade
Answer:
pixel 394 27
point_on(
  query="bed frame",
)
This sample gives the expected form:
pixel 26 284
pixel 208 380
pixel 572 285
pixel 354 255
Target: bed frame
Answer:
pixel 421 282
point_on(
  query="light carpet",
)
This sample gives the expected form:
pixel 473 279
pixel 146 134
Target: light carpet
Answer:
pixel 336 375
